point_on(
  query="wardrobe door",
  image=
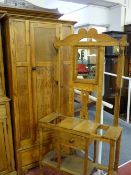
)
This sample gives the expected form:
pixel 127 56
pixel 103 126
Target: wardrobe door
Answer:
pixel 21 83
pixel 44 68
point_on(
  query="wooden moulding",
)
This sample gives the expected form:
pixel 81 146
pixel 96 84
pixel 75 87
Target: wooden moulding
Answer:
pixel 49 16
pixel 30 12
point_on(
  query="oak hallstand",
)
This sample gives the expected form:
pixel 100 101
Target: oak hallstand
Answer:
pixel 63 135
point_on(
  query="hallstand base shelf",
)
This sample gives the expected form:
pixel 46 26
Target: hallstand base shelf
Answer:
pixel 71 164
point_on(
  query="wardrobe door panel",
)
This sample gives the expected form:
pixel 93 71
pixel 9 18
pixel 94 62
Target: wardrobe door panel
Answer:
pixel 44 90
pixel 20 36
pixel 44 58
pixel 42 38
pixel 44 49
pixel 22 94
pixel 23 102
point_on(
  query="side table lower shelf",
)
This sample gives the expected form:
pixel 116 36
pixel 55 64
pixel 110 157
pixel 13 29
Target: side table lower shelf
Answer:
pixel 71 164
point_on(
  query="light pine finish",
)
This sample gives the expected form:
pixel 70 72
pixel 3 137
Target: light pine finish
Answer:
pixel 78 133
pixel 7 165
pixel 33 80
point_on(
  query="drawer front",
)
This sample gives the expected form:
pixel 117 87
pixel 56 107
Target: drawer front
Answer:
pixel 2 111
pixel 29 156
pixel 71 140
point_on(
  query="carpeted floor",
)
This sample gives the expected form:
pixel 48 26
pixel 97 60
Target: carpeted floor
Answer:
pixel 125 169
pixel 49 171
pixel 45 171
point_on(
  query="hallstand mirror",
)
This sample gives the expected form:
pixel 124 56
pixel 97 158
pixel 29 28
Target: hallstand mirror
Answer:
pixel 86 64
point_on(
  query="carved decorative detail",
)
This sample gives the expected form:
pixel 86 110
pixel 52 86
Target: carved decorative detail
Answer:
pixel 21 4
pixel 23 7
pixel 91 33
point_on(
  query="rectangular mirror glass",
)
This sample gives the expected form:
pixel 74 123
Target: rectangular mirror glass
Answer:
pixel 86 62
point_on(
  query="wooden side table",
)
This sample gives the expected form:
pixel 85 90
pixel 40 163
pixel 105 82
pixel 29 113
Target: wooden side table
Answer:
pixel 57 131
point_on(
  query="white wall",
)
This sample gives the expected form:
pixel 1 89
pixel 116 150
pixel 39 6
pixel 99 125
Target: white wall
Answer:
pixel 89 15
pixel 121 15
pixel 38 2
pixel 117 1
pixel 64 7
pixel 128 12
pixel 115 18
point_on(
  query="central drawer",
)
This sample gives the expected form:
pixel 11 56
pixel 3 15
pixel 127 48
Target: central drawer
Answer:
pixel 71 140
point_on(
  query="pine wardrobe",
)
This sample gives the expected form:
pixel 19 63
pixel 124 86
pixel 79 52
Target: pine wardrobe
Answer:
pixel 32 80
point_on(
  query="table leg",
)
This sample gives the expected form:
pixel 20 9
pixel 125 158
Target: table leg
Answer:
pixel 95 150
pixel 117 154
pixel 86 158
pixel 58 155
pixel 111 158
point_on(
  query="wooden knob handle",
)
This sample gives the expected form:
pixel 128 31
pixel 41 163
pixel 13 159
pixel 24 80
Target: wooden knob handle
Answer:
pixel 33 68
pixel 71 141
